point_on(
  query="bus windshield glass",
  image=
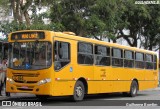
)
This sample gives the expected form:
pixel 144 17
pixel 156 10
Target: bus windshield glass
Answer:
pixel 30 55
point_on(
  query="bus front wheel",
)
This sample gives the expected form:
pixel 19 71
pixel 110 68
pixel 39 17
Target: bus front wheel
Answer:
pixel 133 89
pixel 79 91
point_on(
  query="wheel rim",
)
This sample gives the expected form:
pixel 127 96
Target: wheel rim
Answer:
pixel 134 89
pixel 79 91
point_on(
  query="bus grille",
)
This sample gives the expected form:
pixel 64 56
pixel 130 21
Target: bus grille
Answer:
pixel 26 74
pixel 23 89
pixel 19 77
pixel 26 81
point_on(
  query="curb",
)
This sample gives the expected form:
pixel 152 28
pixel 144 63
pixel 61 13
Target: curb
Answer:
pixel 3 98
pixel 158 88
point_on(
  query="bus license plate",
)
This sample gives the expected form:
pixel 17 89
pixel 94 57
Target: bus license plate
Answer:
pixel 18 78
pixel 24 87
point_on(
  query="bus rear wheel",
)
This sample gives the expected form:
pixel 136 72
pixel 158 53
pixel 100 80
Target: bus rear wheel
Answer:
pixel 133 89
pixel 79 91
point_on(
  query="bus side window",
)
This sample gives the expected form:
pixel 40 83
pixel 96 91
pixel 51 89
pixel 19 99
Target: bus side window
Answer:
pixel 102 54
pixel 148 61
pixel 117 57
pixel 85 53
pixel 128 59
pixel 61 54
pixel 139 60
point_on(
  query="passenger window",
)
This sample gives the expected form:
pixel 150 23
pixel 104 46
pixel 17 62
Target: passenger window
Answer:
pixel 61 54
pixel 102 55
pixel 149 61
pixel 139 61
pixel 128 59
pixel 85 53
pixel 117 57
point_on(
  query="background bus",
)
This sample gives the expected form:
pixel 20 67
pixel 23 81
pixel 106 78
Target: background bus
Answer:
pixel 48 63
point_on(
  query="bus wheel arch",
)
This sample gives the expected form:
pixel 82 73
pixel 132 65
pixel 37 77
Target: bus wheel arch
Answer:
pixel 131 93
pixel 136 81
pixel 85 84
pixel 80 89
pixel 134 87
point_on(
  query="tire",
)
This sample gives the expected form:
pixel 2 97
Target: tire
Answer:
pixel 79 91
pixel 133 89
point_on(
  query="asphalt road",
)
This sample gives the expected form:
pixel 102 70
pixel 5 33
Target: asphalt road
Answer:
pixel 148 98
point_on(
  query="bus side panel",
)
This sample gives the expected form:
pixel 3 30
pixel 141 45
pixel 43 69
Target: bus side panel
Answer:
pixel 143 85
pixel 99 87
pixel 103 77
pixel 63 88
pixel 149 81
pixel 130 74
pixel 120 79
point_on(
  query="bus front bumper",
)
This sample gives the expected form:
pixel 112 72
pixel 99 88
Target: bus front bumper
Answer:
pixel 38 89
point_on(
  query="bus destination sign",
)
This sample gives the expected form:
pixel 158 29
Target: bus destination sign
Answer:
pixel 27 36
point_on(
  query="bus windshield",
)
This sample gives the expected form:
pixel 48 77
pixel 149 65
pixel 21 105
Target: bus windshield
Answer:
pixel 30 55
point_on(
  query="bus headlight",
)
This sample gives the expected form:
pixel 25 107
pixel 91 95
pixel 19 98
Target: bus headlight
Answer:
pixel 10 80
pixel 44 81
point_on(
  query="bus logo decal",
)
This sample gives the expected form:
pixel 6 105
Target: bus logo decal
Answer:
pixel 71 69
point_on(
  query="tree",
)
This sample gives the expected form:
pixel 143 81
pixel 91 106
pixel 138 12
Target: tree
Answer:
pixel 22 20
pixel 20 10
pixel 71 15
pixel 4 6
pixel 102 20
pixel 142 21
pixel 107 18
pixel 151 30
pixel 132 18
pixel 84 17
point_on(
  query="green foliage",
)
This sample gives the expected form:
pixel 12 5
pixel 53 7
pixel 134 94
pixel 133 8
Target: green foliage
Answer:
pixel 4 5
pixel 152 28
pixel 14 26
pixel 72 14
pixel 7 27
pixel 94 26
pixel 36 22
pixel 137 18
pixel 85 17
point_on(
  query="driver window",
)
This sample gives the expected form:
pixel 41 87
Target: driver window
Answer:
pixel 61 54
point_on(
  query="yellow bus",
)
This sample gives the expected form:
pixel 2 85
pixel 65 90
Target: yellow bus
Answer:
pixel 48 63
